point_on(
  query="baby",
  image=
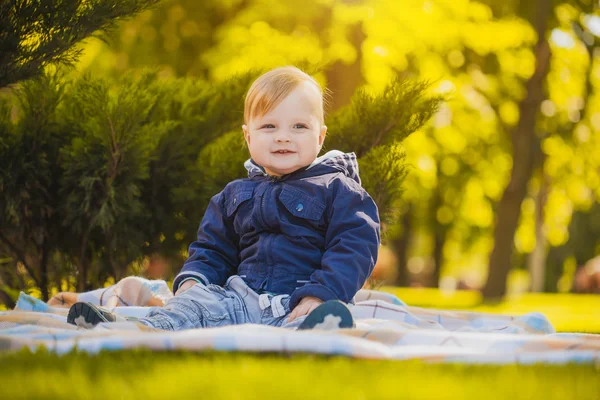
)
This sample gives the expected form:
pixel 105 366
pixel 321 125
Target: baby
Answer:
pixel 287 246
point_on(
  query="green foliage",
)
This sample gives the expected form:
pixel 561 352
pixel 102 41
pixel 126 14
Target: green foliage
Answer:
pixel 383 119
pixel 106 164
pixel 36 33
pixel 29 194
pixel 107 160
pixel 221 162
pixel 171 35
pixel 75 164
pixel 176 192
pixel 373 126
pixel 383 171
pixel 30 166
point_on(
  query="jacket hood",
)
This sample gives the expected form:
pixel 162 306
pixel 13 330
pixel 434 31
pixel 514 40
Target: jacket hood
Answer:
pixel 332 161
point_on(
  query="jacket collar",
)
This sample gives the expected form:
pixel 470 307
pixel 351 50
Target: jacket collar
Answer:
pixel 331 161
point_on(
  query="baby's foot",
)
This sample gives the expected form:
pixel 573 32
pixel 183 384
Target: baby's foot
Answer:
pixel 88 315
pixel 332 314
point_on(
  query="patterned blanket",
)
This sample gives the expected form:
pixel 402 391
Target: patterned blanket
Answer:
pixel 386 329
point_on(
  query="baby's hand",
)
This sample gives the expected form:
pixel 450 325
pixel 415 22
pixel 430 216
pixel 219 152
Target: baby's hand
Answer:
pixel 306 305
pixel 185 286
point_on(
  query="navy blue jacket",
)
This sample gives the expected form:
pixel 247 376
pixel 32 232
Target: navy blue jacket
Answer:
pixel 314 232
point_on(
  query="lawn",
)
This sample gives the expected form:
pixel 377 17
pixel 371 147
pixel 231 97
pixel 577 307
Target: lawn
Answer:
pixel 146 375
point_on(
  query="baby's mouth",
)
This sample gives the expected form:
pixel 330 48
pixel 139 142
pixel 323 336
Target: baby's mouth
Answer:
pixel 283 152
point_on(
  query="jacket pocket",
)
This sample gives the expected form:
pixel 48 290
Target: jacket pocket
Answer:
pixel 301 204
pixel 236 198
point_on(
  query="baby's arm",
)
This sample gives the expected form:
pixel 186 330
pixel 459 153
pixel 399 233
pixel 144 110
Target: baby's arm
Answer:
pixel 214 256
pixel 185 284
pixel 351 246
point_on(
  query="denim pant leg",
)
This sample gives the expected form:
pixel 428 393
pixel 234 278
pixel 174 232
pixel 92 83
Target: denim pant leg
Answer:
pixel 201 306
pixel 266 309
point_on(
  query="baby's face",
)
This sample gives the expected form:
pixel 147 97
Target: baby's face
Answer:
pixel 290 136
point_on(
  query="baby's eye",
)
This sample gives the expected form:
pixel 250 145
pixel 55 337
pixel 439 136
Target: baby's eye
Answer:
pixel 300 126
pixel 267 126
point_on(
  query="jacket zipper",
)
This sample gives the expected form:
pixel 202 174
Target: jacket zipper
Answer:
pixel 272 180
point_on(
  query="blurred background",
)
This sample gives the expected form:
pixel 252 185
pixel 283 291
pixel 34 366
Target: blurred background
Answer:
pixel 503 184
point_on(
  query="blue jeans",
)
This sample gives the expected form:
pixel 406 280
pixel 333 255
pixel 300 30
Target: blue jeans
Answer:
pixel 208 306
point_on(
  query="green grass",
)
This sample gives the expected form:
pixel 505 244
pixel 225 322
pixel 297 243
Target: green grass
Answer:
pixel 146 375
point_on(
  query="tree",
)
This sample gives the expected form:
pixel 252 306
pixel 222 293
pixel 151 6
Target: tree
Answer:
pixel 531 139
pixel 374 126
pixel 215 40
pixel 30 226
pixel 37 33
pixel 575 125
pixel 104 168
pixel 524 142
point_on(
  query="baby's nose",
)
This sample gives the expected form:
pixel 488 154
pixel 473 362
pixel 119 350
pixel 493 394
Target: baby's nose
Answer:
pixel 283 137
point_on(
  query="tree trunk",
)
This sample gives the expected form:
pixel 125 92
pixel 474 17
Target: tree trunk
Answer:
pixel 343 79
pixel 400 247
pixel 439 234
pixel 21 255
pixel 524 142
pixel 82 269
pixel 9 278
pixel 537 259
pixel 438 255
pixel 7 300
pixel 44 280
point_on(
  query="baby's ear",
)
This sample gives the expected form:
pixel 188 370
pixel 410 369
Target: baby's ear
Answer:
pixel 322 134
pixel 246 134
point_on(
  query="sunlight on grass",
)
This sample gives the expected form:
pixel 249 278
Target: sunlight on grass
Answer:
pixel 147 375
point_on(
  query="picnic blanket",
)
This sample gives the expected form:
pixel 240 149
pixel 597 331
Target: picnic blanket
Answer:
pixel 386 329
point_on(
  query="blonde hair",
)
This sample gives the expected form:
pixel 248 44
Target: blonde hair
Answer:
pixel 272 87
